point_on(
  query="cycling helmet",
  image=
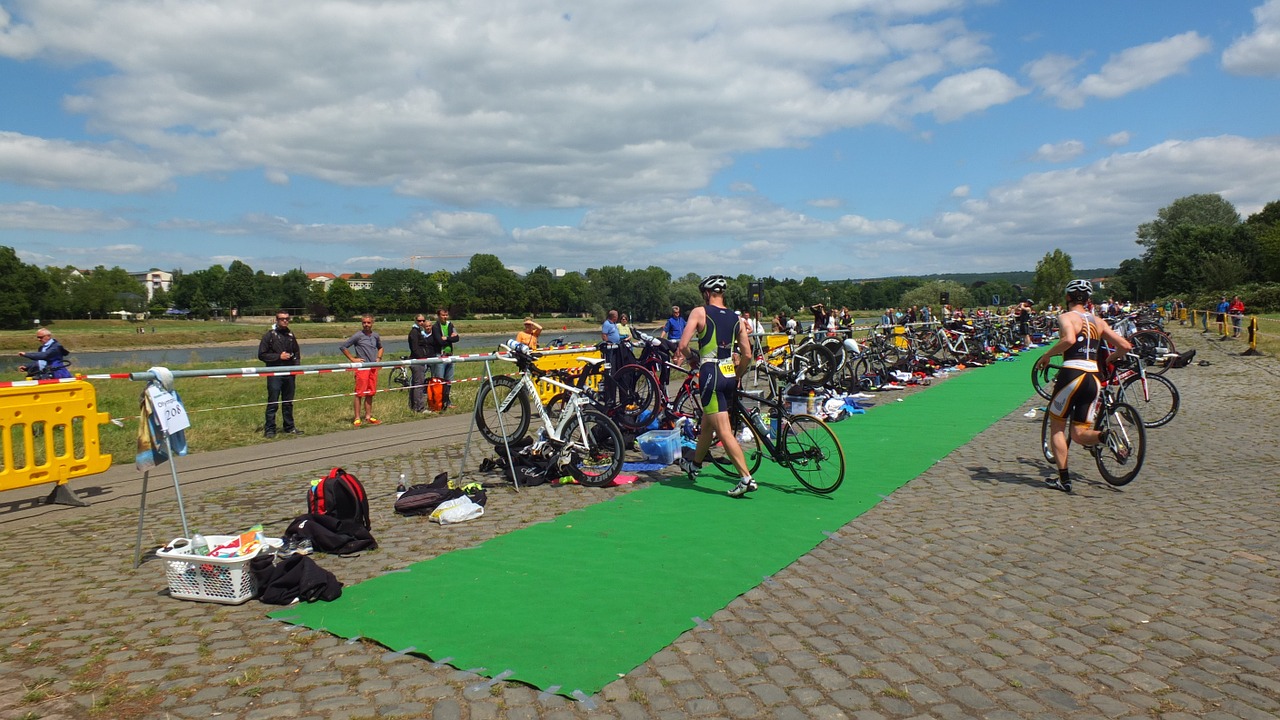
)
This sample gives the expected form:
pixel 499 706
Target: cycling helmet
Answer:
pixel 1080 287
pixel 714 283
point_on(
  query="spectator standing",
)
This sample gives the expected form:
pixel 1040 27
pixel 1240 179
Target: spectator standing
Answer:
pixel 530 334
pixel 368 347
pixel 1223 307
pixel 1236 308
pixel 673 328
pixel 49 362
pixel 624 327
pixel 419 348
pixel 279 348
pixel 443 336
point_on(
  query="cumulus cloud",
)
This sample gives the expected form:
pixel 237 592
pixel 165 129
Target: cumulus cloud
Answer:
pixel 468 103
pixel 826 203
pixel 113 167
pixel 1132 69
pixel 960 191
pixel 1059 152
pixel 1257 53
pixel 1117 139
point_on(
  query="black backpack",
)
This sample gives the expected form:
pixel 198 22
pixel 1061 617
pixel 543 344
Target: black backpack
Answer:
pixel 422 499
pixel 340 495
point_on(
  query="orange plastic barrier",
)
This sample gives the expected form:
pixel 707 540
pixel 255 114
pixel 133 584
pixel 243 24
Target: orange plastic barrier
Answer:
pixel 50 435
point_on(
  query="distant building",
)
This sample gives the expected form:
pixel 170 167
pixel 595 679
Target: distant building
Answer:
pixel 153 280
pixel 357 281
pixel 324 278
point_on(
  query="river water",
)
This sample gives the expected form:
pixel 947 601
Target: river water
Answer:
pixel 247 355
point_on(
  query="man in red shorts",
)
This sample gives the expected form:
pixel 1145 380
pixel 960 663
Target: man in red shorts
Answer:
pixel 368 347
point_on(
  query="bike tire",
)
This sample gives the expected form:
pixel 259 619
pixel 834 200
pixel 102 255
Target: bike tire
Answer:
pixel 752 450
pixel 595 449
pixel 1125 423
pixel 502 412
pixel 1045 447
pixel 812 452
pixel 929 343
pixel 637 397
pixel 1159 405
pixel 813 364
pixel 1153 346
pixel 398 376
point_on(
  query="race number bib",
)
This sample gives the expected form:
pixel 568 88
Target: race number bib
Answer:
pixel 727 368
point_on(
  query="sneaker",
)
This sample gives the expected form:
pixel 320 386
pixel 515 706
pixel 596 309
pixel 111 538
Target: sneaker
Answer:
pixel 1058 484
pixel 294 431
pixel 744 486
pixel 269 434
pixel 373 421
pixel 690 468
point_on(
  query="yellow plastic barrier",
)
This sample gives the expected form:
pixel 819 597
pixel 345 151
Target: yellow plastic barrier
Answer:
pixel 50 434
pixel 567 361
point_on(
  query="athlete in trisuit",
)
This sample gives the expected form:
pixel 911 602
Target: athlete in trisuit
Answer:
pixel 1080 338
pixel 716 330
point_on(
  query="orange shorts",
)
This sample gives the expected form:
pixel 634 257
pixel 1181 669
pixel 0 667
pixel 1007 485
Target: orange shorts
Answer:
pixel 366 382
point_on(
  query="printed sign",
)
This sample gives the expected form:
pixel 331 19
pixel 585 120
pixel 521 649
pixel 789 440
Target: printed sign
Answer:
pixel 169 410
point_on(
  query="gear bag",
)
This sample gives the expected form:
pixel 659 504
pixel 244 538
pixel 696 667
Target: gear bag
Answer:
pixel 340 495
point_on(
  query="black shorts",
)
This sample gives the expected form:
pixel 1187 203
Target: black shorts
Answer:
pixel 1074 395
pixel 716 390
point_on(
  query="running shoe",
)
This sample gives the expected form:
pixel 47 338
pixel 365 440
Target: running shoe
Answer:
pixel 744 486
pixel 690 468
pixel 1058 484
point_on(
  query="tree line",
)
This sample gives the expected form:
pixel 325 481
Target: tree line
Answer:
pixel 1196 248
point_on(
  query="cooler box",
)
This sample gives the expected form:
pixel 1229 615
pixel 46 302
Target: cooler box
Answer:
pixel 660 446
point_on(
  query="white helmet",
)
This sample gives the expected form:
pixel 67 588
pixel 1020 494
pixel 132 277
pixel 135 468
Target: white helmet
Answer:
pixel 1079 287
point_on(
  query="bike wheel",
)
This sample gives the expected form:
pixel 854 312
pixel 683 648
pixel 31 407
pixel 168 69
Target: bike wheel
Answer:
pixel 398 376
pixel 929 343
pixel 813 364
pixel 759 381
pixel 637 397
pixel 1153 347
pixel 687 404
pixel 502 411
pixel 1042 381
pixel 1158 405
pixel 594 448
pixel 1127 434
pixel 1046 448
pixel 753 449
pixel 812 453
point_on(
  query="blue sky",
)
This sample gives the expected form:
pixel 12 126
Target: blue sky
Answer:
pixel 837 138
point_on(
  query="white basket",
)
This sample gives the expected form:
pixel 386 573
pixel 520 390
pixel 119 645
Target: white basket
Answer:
pixel 209 579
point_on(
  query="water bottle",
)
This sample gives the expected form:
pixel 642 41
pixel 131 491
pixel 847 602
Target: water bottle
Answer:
pixel 401 487
pixel 516 346
pixel 770 426
pixel 810 406
pixel 199 546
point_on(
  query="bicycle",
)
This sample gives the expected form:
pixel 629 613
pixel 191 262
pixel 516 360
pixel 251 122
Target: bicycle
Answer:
pixel 629 394
pixel 801 443
pixel 582 438
pixel 1155 396
pixel 1120 459
pixel 400 374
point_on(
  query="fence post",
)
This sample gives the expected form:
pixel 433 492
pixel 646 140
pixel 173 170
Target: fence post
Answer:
pixel 1253 337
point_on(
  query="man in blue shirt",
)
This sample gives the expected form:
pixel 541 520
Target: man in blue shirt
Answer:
pixel 609 328
pixel 673 329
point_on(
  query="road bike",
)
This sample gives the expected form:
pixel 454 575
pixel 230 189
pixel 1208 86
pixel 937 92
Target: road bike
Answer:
pixel 801 443
pixel 581 438
pixel 628 394
pixel 1119 459
pixel 1154 396
pixel 400 374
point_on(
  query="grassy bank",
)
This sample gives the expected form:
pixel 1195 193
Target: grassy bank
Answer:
pixel 85 335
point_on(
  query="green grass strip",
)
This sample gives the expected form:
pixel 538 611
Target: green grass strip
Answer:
pixel 582 600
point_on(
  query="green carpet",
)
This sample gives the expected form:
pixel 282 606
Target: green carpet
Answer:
pixel 573 604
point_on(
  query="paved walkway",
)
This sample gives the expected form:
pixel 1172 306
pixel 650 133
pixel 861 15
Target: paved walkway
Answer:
pixel 972 592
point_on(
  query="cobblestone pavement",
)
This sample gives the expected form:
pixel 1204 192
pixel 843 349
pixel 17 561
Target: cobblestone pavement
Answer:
pixel 972 592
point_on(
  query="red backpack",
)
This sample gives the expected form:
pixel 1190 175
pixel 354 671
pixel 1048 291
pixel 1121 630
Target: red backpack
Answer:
pixel 341 495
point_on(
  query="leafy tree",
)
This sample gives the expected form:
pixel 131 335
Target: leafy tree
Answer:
pixel 21 286
pixel 1210 210
pixel 341 299
pixel 104 291
pixel 237 286
pixel 571 293
pixel 1053 272
pixel 494 288
pixel 295 290
pixel 1267 217
pixel 1268 242
pixel 1131 277
pixel 317 301
pixel 537 290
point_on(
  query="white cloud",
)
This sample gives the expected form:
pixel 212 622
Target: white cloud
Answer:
pixel 1132 69
pixel 1117 139
pixel 48 218
pixel 470 103
pixel 113 168
pixel 960 191
pixel 826 203
pixel 958 95
pixel 1059 152
pixel 1257 53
